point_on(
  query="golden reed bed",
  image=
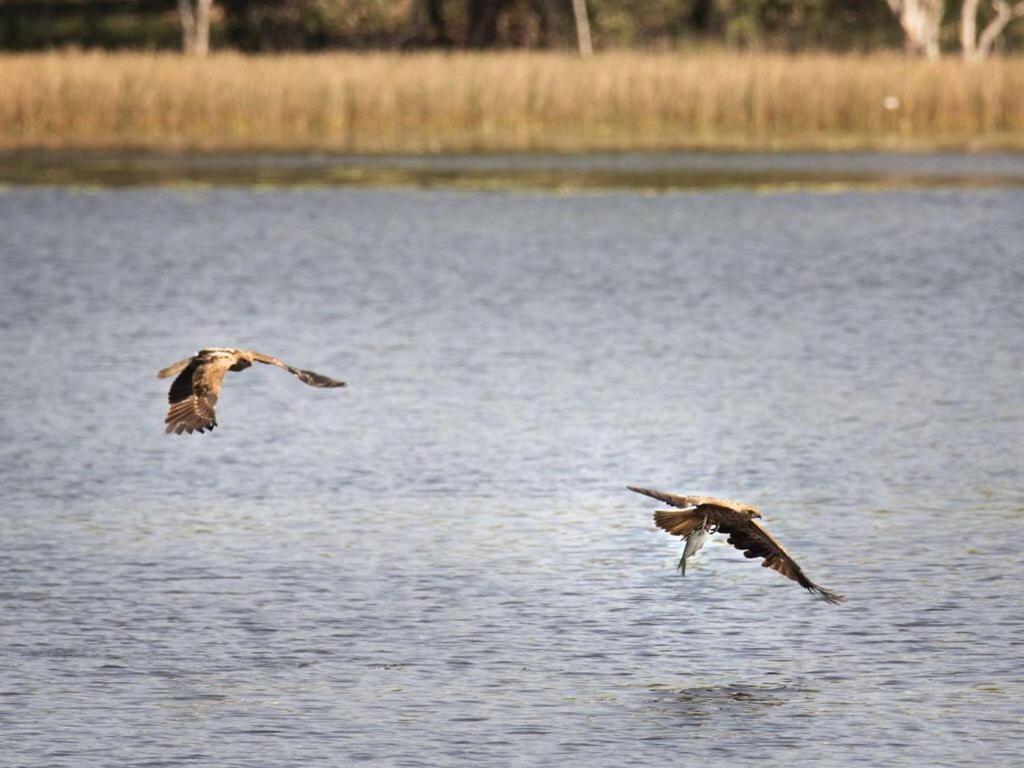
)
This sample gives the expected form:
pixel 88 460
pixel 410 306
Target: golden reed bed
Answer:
pixel 433 102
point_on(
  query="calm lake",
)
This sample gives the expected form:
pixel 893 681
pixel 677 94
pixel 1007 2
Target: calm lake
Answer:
pixel 441 565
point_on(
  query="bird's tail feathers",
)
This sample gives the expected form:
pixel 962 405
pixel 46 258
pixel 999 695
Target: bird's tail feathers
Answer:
pixel 678 522
pixel 174 370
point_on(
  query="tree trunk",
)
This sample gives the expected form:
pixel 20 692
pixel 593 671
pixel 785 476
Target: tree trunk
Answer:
pixel 427 26
pixel 203 27
pixel 483 22
pixel 969 29
pixel 579 10
pixel 920 20
pixel 977 47
pixel 188 26
pixel 195 26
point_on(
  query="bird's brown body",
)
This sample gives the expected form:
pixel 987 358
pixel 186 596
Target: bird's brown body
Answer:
pixel 738 522
pixel 194 393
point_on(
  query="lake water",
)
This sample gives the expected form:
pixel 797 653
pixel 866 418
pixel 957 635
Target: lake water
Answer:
pixel 440 565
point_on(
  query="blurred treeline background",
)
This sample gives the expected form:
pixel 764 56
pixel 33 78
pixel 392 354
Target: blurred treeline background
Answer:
pixel 310 25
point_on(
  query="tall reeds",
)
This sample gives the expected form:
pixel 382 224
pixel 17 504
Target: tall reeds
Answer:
pixel 433 102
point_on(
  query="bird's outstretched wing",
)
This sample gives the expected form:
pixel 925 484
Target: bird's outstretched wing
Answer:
pixel 306 377
pixel 193 395
pixel 683 502
pixel 755 541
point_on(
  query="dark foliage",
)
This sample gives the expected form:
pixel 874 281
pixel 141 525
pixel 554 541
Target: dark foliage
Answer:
pixel 277 25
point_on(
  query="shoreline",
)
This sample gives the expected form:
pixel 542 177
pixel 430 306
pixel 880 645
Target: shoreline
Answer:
pixel 638 171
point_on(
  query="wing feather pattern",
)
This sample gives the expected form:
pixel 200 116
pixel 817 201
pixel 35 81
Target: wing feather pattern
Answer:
pixel 754 541
pixel 194 394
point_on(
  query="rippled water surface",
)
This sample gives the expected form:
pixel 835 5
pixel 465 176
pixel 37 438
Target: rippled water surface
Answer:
pixel 440 565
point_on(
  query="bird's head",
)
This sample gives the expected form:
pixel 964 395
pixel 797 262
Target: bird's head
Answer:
pixel 754 512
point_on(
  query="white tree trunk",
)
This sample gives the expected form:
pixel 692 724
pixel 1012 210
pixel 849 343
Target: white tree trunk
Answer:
pixel 977 47
pixel 203 27
pixel 188 26
pixel 579 10
pixel 195 26
pixel 969 28
pixel 920 20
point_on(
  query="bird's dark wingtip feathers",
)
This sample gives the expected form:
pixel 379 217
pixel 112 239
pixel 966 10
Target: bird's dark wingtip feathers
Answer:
pixel 833 598
pixel 317 379
pixel 183 428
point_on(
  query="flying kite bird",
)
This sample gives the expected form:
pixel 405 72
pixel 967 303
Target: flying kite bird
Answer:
pixel 700 516
pixel 194 393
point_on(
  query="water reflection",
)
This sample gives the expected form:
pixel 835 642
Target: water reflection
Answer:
pixel 735 700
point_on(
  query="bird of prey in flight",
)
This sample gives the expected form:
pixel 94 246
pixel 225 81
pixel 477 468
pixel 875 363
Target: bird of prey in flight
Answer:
pixel 194 392
pixel 697 517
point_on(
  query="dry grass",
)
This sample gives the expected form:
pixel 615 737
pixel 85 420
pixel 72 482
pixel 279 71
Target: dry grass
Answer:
pixel 507 101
